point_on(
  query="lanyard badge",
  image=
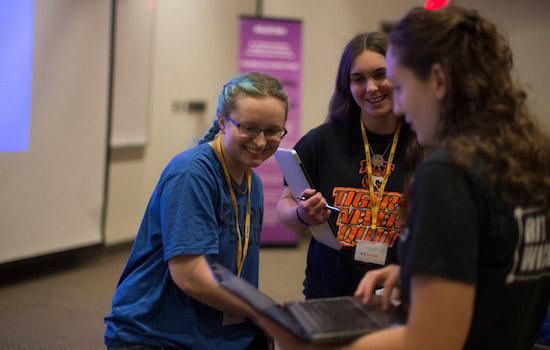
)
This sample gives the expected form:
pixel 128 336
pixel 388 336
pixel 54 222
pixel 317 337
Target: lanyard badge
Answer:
pixel 376 203
pixel 242 249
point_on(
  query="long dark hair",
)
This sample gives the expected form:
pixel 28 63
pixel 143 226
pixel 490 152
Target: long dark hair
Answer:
pixel 483 112
pixel 342 108
pixel 346 113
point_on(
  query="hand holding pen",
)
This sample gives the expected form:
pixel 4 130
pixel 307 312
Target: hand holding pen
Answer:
pixel 330 207
pixel 312 208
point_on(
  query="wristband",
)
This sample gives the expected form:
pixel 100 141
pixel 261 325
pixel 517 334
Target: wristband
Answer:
pixel 299 218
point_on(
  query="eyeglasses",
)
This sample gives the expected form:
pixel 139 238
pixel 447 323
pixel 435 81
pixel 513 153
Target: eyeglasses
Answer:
pixel 252 132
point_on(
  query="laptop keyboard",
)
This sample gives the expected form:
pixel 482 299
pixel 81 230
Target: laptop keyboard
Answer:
pixel 332 314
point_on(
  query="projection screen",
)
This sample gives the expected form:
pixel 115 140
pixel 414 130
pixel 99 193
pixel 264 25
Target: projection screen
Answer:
pixel 51 188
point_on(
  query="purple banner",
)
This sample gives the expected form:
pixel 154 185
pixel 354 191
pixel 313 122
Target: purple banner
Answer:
pixel 274 47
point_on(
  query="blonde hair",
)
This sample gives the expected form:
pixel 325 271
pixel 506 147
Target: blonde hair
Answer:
pixel 252 84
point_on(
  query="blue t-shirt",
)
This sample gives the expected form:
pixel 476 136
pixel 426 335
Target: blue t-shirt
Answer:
pixel 190 212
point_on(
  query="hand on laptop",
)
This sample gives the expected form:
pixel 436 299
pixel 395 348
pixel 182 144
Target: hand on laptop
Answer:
pixel 387 276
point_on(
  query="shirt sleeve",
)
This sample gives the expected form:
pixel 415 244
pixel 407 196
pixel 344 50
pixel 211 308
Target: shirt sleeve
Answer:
pixel 188 217
pixel 444 224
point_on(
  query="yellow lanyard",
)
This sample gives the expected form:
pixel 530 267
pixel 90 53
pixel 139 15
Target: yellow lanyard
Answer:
pixel 376 206
pixel 241 253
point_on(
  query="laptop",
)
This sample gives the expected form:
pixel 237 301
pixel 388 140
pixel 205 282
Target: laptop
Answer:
pixel 297 180
pixel 319 321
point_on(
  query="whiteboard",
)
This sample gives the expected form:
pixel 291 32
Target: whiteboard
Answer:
pixel 131 74
pixel 51 196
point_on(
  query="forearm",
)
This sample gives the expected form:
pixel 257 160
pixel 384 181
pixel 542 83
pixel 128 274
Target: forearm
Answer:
pixel 192 275
pixel 286 212
pixel 387 339
pixel 220 299
pixel 439 318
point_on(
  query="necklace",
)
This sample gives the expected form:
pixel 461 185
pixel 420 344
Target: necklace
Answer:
pixel 239 188
pixel 377 159
pixel 376 206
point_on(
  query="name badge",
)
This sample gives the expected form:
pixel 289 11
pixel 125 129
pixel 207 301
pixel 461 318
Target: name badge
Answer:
pixel 371 252
pixel 230 319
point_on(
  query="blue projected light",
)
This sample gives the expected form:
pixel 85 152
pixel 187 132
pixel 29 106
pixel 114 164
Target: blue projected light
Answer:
pixel 16 48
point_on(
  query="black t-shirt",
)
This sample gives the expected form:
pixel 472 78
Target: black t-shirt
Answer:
pixel 460 230
pixel 334 158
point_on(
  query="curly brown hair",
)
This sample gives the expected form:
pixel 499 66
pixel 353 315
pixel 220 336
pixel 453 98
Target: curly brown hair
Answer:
pixel 484 111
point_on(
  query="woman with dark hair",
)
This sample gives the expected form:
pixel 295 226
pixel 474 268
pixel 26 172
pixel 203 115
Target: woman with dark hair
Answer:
pixel 208 202
pixel 475 254
pixel 358 161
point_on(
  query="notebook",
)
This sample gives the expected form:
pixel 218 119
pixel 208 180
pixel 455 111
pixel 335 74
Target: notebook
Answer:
pixel 297 180
pixel 320 321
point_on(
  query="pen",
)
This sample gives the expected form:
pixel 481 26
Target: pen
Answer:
pixel 326 205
